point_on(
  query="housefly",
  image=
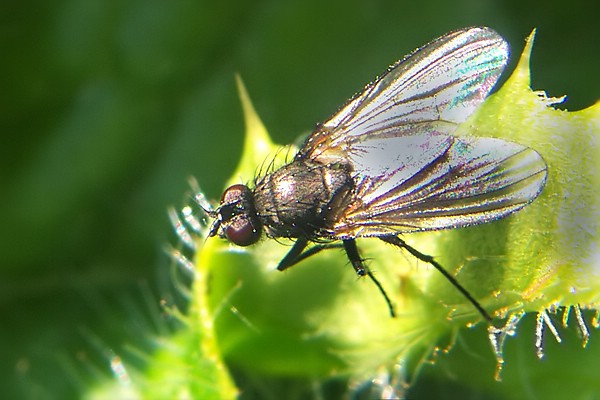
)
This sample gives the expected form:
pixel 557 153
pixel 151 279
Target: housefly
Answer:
pixel 388 163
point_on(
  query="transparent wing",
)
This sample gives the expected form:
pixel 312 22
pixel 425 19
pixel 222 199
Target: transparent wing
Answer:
pixel 410 172
pixel 430 182
pixel 430 90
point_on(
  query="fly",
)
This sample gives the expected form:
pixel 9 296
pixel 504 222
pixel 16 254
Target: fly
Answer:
pixel 387 164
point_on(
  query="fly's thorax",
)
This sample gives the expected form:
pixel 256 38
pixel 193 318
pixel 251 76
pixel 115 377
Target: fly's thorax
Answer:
pixel 303 198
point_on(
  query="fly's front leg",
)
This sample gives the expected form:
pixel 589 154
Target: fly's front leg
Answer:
pixel 297 252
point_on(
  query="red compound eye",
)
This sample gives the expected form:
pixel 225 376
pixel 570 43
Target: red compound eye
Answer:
pixel 234 193
pixel 241 230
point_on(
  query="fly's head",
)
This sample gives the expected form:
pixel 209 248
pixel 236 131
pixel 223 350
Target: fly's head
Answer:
pixel 236 218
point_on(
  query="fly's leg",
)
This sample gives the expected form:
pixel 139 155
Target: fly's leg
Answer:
pixel 316 249
pixel 396 241
pixel 297 252
pixel 361 270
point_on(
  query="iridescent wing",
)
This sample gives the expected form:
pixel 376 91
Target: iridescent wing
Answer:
pixel 438 182
pixel 410 173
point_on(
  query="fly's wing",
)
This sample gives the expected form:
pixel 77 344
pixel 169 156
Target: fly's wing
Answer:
pixel 430 182
pixel 410 173
pixel 432 89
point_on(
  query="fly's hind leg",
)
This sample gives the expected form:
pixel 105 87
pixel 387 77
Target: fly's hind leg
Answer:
pixel 396 241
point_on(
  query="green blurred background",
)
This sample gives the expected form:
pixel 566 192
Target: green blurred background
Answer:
pixel 108 106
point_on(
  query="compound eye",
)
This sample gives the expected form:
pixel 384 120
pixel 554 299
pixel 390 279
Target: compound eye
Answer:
pixel 235 193
pixel 242 231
